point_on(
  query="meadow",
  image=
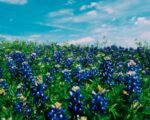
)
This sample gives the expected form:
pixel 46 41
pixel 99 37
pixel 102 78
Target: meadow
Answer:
pixel 72 82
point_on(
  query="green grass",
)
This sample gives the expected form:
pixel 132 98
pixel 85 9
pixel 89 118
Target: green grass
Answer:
pixel 117 107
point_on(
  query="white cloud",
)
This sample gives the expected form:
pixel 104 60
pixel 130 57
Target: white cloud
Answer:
pixel 91 5
pixel 63 12
pixel 109 10
pixel 119 21
pixel 142 21
pixel 92 13
pixel 58 26
pixel 86 17
pixel 17 2
pixel 84 40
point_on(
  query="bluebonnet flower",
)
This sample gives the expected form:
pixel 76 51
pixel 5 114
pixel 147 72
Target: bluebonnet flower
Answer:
pixel 68 62
pixel 49 79
pixel 46 59
pixel 93 71
pixel 83 75
pixel 84 60
pixel 56 113
pixel 20 106
pixel 1 73
pixel 76 105
pixel 145 58
pixel 18 56
pixel 120 77
pixel 37 91
pixel 98 103
pixel 93 50
pixel 3 87
pixel 57 56
pixel 24 109
pixel 76 69
pixel 67 75
pixel 133 83
pixel 107 71
pixel 32 57
pixel 13 69
pixel 28 112
pixel 55 69
pixel 26 72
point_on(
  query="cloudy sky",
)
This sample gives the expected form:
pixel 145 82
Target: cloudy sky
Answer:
pixel 76 21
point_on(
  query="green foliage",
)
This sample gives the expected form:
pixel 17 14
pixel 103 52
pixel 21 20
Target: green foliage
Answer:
pixel 58 91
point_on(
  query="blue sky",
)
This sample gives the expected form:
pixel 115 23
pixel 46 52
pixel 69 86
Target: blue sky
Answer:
pixel 76 21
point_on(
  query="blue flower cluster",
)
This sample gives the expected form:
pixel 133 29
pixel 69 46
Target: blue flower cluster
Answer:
pixel 56 113
pixel 12 68
pixel 29 83
pixel 67 75
pixel 1 72
pixel 38 80
pixel 85 74
pixel 24 109
pixel 37 92
pixel 98 103
pixel 68 62
pixel 49 79
pixel 57 56
pixel 85 60
pixel 133 82
pixel 54 69
pixel 107 72
pixel 120 73
pixel 3 87
pixel 32 57
pixel 76 104
pixel 18 57
pixel 27 74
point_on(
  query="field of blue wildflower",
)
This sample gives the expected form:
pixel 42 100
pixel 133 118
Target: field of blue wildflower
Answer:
pixel 53 82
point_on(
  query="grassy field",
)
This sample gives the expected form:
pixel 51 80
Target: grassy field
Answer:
pixel 54 82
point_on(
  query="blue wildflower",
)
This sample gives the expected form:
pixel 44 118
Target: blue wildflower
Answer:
pixel 98 103
pixel 18 56
pixel 56 113
pixel 93 71
pixel 67 75
pixel 57 56
pixel 27 74
pixel 32 57
pixel 1 73
pixel 49 79
pixel 68 62
pixel 76 105
pixel 120 73
pixel 133 83
pixel 83 75
pixel 76 70
pixel 24 109
pixel 84 60
pixel 107 71
pixel 13 69
pixel 3 87
pixel 37 92
pixel 19 107
pixel 54 69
